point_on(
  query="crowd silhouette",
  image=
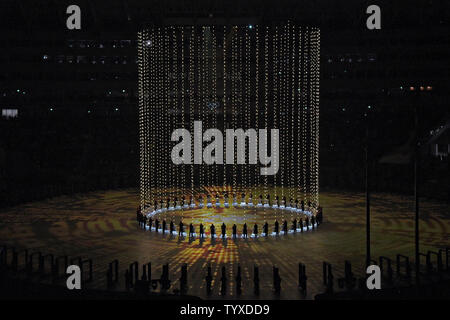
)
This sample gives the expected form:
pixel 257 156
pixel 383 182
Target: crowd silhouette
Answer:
pixel 303 224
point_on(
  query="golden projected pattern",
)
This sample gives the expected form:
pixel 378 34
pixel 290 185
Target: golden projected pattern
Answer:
pixel 102 226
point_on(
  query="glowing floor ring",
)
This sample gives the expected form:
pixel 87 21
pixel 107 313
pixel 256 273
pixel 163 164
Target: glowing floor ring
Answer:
pixel 189 208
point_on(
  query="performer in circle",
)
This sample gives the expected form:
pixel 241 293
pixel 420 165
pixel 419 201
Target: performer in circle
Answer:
pixel 244 231
pixel 213 231
pixel 266 228
pixel 202 231
pixel 224 230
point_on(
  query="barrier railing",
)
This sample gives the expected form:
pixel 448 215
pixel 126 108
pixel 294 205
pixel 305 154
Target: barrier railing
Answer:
pixel 405 259
pixel 387 271
pixel 56 265
pixel 30 267
pixel 434 265
pixel 42 260
pixel 328 278
pixel 302 277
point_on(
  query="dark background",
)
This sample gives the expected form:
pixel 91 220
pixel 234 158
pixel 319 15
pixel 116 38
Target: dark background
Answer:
pixel 76 90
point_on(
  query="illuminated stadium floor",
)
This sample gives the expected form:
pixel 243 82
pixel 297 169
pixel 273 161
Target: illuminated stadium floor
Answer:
pixel 102 226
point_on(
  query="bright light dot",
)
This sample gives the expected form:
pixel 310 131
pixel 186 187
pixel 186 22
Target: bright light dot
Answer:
pixel 369 107
pixel 250 26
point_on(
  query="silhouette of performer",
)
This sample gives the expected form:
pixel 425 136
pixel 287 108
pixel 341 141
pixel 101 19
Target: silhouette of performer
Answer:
pixel 224 230
pixel 277 227
pixel 319 216
pixel 244 231
pixel 164 226
pixel 171 227
pixel 294 225
pixel 255 230
pixel 285 226
pixel 168 203
pixel 266 228
pixel 175 202
pixel 213 230
pixel 150 223
pixel 191 229
pixel 156 224
pixel 234 231
pixel 307 222
pixel 283 201
pixel 268 199
pixel 301 224
pixel 202 231
pixel 303 205
pixel 181 229
pixel 144 220
pixel 277 201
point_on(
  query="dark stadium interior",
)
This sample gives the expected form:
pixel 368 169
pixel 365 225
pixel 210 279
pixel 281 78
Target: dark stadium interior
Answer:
pixel 76 91
pixel 70 152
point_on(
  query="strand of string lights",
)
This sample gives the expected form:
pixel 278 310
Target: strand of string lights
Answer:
pixel 256 173
pixel 299 119
pixel 214 94
pixel 201 74
pixel 282 94
pixel 287 56
pixel 275 90
pixel 304 118
pixel 315 93
pixel 141 76
pixel 177 101
pixel 240 107
pixel 247 108
pixel 266 101
pixel 224 98
pixel 174 106
pixel 207 91
pixel 183 111
pixel 233 97
pixel 150 138
pixel 165 111
pixel 192 101
pixel 292 89
pixel 160 113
